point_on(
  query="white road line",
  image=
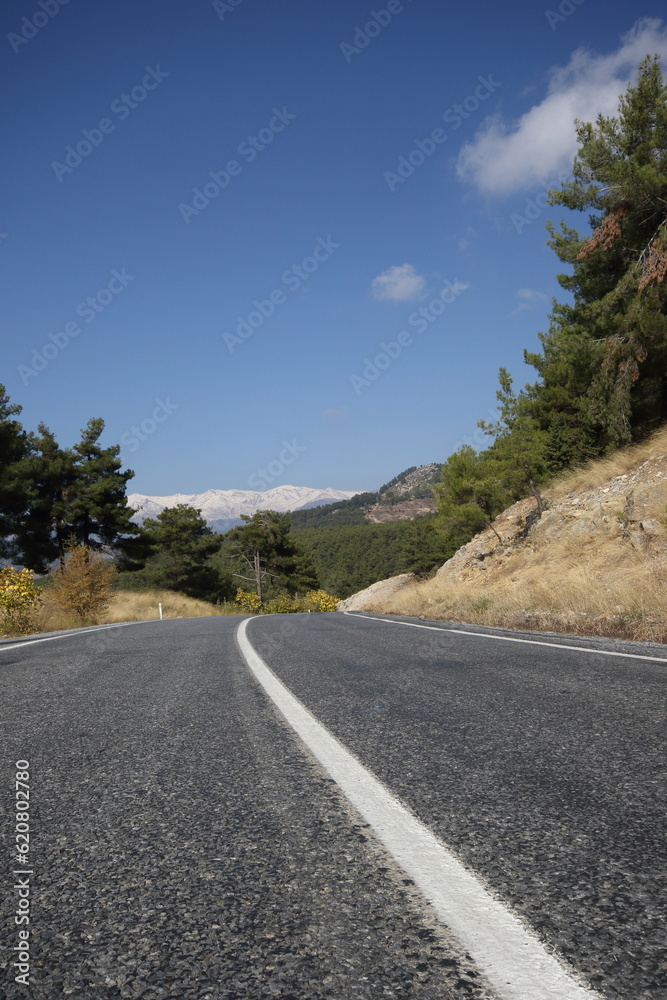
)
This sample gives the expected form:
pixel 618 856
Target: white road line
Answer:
pixel 511 956
pixel 511 638
pixel 68 635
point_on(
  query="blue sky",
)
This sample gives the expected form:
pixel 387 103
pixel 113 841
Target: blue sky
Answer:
pixel 218 216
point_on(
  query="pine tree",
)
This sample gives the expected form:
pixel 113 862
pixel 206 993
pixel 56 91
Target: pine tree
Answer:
pixel 45 530
pixel 518 455
pixel 471 494
pixel 96 500
pixel 14 488
pixel 182 544
pixel 262 552
pixel 604 361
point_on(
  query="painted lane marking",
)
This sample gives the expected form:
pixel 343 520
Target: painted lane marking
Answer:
pixel 68 635
pixel 510 638
pixel 511 956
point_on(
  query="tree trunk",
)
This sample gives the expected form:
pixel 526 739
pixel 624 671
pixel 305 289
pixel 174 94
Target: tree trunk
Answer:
pixel 536 493
pixel 258 574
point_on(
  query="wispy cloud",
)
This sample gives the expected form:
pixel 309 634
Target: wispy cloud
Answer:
pixel 335 414
pixel 398 284
pixel 507 156
pixel 467 239
pixel 528 299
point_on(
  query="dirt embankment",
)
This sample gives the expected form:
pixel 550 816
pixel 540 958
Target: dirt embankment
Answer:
pixel 594 563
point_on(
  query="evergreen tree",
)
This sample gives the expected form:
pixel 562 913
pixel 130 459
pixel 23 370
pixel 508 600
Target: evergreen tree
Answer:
pixel 471 494
pixel 96 500
pixel 181 545
pixel 518 455
pixel 604 361
pixel 14 491
pixel 45 530
pixel 263 552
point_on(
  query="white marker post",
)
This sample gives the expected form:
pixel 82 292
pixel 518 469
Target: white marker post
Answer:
pixel 159 607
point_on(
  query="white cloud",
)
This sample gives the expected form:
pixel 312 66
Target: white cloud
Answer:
pixel 398 284
pixel 335 414
pixel 504 157
pixel 530 295
pixel 528 298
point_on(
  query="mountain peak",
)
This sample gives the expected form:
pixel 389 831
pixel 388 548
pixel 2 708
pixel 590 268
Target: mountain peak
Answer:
pixel 222 509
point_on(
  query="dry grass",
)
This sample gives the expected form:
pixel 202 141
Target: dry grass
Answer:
pixel 581 599
pixel 136 606
pixel 601 470
pixel 597 586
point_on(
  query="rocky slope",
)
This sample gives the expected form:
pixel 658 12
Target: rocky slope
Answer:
pixel 404 510
pixel 596 561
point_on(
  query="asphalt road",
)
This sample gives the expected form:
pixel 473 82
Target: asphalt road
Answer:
pixel 185 845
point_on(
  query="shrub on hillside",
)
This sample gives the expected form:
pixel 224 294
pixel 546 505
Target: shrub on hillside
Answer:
pixel 19 601
pixel 319 600
pixel 82 586
pixel 283 604
pixel 249 603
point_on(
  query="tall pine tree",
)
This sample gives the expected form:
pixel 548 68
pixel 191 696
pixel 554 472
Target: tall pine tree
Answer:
pixel 604 361
pixel 14 488
pixel 96 501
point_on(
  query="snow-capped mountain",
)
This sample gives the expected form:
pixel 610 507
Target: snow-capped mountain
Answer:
pixel 222 509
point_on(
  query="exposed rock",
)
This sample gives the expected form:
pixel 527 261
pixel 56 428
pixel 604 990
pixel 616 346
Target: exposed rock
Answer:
pixel 624 513
pixel 406 510
pixel 612 524
pixel 381 589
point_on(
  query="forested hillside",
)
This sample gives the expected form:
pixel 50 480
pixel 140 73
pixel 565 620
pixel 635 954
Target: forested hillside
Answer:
pixel 350 557
pixel 601 372
pixel 415 483
pixel 602 369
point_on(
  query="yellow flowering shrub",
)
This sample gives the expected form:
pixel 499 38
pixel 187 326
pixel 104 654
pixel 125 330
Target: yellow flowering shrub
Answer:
pixel 250 603
pixel 319 600
pixel 19 601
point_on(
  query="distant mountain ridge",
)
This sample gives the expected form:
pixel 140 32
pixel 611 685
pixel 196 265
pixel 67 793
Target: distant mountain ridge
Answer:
pixel 403 498
pixel 222 509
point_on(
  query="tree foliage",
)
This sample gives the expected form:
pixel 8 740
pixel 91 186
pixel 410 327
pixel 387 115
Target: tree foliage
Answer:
pixel 263 552
pixel 351 557
pixel 49 494
pixel 603 367
pixel 19 601
pixel 14 489
pixel 179 546
pixel 81 586
pixel 471 493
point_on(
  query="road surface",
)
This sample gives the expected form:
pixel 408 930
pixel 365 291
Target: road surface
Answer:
pixel 184 843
